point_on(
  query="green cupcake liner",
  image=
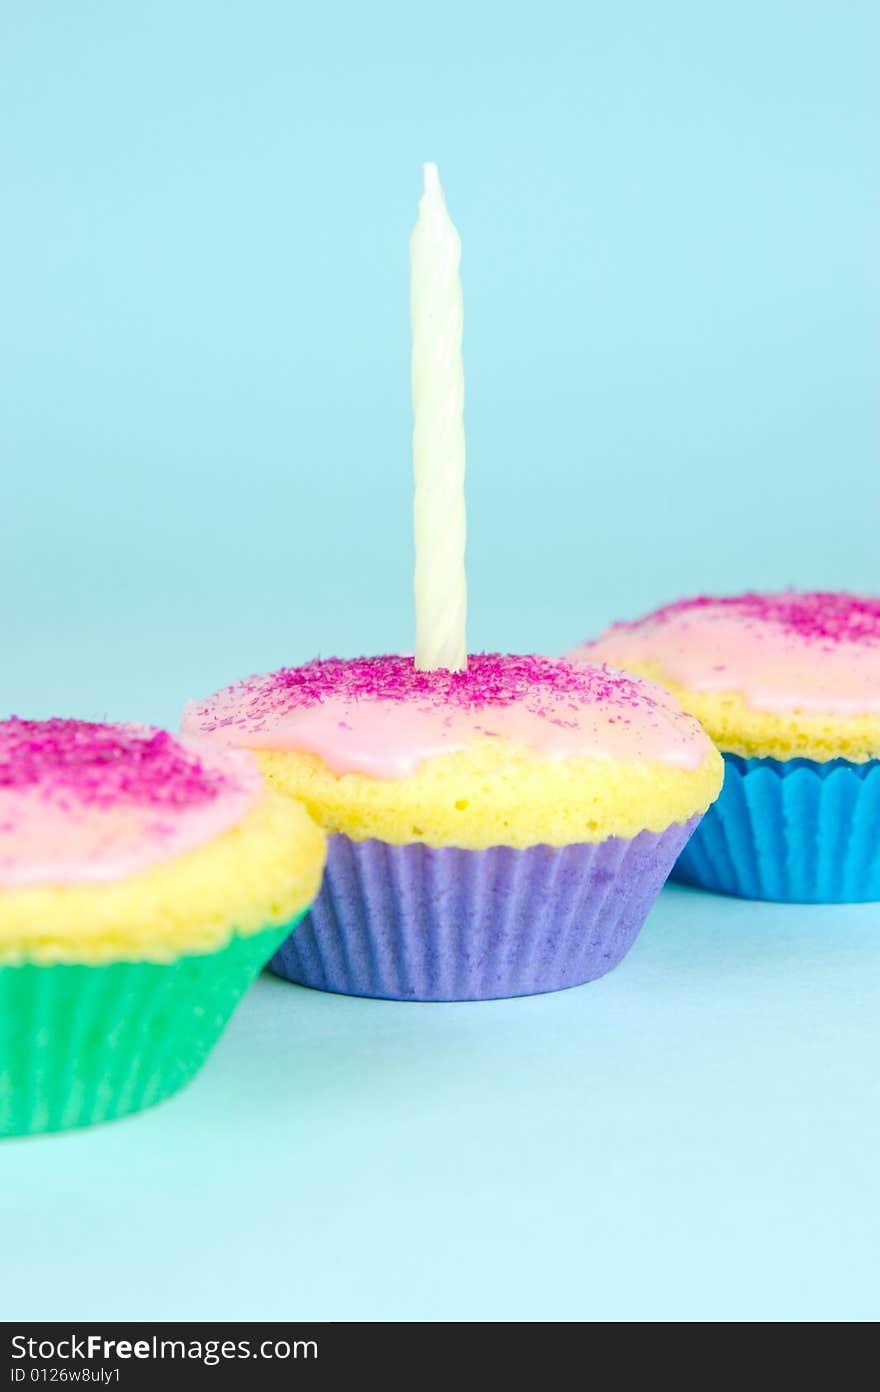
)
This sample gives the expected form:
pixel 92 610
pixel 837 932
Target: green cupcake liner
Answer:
pixel 84 1044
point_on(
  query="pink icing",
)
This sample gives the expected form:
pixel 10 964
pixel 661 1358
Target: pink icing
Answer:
pixel 381 717
pixel 817 652
pixel 83 802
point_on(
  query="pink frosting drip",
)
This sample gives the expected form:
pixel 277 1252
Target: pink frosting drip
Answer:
pixel 379 716
pixel 816 652
pixel 81 802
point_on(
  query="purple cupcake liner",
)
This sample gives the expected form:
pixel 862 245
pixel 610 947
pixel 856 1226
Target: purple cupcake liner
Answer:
pixel 417 923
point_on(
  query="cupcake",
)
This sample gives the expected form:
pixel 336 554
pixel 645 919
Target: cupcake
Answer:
pixel 498 831
pixel 144 882
pixel 788 687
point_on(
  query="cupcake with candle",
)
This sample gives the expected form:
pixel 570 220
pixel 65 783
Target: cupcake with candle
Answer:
pixel 498 825
pixel 788 686
pixel 144 881
pixel 497 831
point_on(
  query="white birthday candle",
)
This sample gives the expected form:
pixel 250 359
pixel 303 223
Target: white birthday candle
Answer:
pixel 438 434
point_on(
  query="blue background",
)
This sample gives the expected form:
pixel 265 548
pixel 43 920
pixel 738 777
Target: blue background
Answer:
pixel 670 220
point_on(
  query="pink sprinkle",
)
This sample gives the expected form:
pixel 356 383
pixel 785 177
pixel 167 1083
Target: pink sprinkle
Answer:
pixel 102 765
pixel 490 681
pixel 818 614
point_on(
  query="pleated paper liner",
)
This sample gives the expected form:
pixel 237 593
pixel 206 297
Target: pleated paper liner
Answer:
pixel 414 923
pixel 793 831
pixel 84 1044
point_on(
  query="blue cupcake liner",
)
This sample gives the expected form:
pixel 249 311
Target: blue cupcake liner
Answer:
pixel 794 831
pixel 416 923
